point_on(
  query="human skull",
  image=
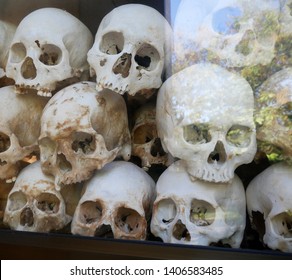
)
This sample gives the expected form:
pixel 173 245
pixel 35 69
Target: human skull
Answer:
pixel 7 31
pixel 233 33
pixel 198 212
pixel 50 46
pixel 131 52
pixel 117 203
pixel 145 142
pixel 204 116
pixel 273 112
pixel 269 205
pixel 82 129
pixel 19 129
pixel 34 204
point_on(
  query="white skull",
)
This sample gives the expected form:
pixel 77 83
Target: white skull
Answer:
pixel 50 45
pixel 198 212
pixel 82 130
pixel 145 142
pixel 234 33
pixel 19 129
pixel 204 116
pixel 7 31
pixel 34 204
pixel 269 205
pixel 273 113
pixel 131 50
pixel 117 202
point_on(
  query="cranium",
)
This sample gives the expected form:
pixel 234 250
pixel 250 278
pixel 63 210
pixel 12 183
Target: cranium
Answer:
pixel 131 52
pixel 273 112
pixel 269 204
pixel 205 117
pixel 198 212
pixel 82 130
pixel 7 31
pixel 117 202
pixel 233 33
pixel 34 204
pixel 145 142
pixel 49 46
pixel 19 129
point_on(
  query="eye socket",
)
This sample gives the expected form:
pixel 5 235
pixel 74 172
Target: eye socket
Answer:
pixel 128 220
pixel 197 133
pixel 282 224
pixel 51 55
pixel 147 57
pixel 17 53
pixel 202 213
pixel 166 211
pixel 17 201
pixel 226 20
pixel 239 136
pixel 143 134
pixel 83 141
pixel 112 43
pixel 48 203
pixel 90 212
pixel 4 142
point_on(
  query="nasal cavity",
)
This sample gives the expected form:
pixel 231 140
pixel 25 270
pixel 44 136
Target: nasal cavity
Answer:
pixel 104 231
pixel 218 154
pixel 122 65
pixel 28 70
pixel 180 232
pixel 26 217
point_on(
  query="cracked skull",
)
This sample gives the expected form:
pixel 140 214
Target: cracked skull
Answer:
pixel 273 116
pixel 269 204
pixel 117 203
pixel 49 46
pixel 34 204
pixel 130 52
pixel 19 129
pixel 204 116
pixel 82 130
pixel 234 33
pixel 198 212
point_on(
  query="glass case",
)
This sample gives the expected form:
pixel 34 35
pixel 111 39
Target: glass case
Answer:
pixel 145 129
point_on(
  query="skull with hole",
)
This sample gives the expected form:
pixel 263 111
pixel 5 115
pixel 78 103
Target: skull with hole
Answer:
pixel 34 204
pixel 198 212
pixel 19 129
pixel 145 142
pixel 7 31
pixel 49 49
pixel 204 116
pixel 131 52
pixel 234 33
pixel 273 116
pixel 269 205
pixel 82 129
pixel 117 203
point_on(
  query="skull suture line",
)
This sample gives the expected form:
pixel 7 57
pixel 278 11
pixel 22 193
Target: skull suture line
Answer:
pixel 204 116
pixel 198 212
pixel 130 52
pixel 117 203
pixel 82 130
pixel 50 46
pixel 269 204
pixel 234 33
pixel 34 204
pixel 19 129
